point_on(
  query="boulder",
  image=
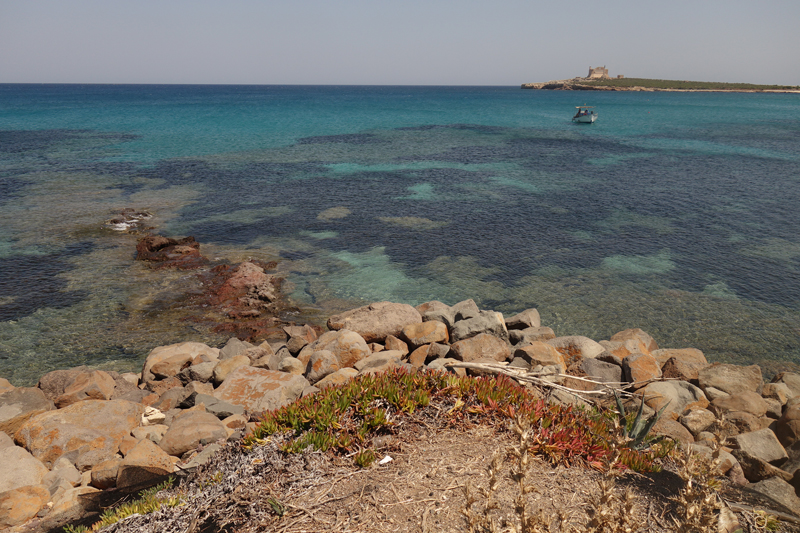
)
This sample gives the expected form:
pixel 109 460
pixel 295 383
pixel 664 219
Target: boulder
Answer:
pixel 636 334
pixel 189 350
pixel 160 387
pixel 259 390
pixel 762 444
pixel 171 366
pixel 152 433
pixel 755 469
pixel 576 347
pixel 19 405
pixel 489 322
pixel 379 362
pixel 190 429
pixel 376 321
pixel 731 378
pixel 171 399
pixel 202 372
pixel 480 346
pixel 788 426
pixel 86 432
pixel 601 371
pixel 540 353
pixel 292 365
pixel 685 355
pixel 299 336
pixel 233 348
pixel 348 347
pixel 676 368
pixel 437 311
pixel 322 363
pixel 444 366
pixel 623 349
pixel 337 378
pixel 528 335
pixel 425 333
pixel 144 464
pixel 53 383
pixel 19 505
pixel 20 468
pixel 697 420
pixel 778 490
pixel 73 505
pixel 673 430
pixel 747 401
pixel 219 408
pixel 528 318
pixel 465 310
pixel 736 422
pixel 5 385
pixel 640 367
pixel 104 474
pixel 393 343
pixel 5 440
pixel 791 380
pixel 777 391
pixel 228 365
pixel 677 396
pixel 193 389
pixel 419 357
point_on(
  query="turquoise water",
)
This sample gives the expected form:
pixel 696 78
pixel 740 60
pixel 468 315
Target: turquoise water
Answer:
pixel 674 212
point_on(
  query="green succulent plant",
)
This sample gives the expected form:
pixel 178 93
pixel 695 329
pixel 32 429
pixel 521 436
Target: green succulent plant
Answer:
pixel 636 431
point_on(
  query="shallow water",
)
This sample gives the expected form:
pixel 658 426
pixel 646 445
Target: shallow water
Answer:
pixel 674 212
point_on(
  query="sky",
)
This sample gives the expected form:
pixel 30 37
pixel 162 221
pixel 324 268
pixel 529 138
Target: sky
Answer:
pixel 396 42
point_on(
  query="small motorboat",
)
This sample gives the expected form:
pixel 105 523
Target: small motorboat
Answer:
pixel 584 115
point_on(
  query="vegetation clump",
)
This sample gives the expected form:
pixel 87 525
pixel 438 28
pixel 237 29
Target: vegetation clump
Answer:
pixel 346 418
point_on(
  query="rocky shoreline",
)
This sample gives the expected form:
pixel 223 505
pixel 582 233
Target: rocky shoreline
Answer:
pixel 580 84
pixel 82 434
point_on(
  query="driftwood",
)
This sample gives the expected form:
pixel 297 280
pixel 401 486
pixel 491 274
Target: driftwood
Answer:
pixel 603 390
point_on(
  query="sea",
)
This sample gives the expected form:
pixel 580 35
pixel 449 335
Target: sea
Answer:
pixel 676 213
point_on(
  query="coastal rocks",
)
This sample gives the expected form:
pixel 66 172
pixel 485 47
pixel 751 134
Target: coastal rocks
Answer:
pixel 485 322
pixel 424 333
pixel 180 353
pixel 189 430
pixel 145 463
pixel 20 468
pixel 18 405
pixel 674 396
pixel 762 444
pixel 376 321
pixel 481 346
pixel 19 505
pixel 640 368
pixel 348 346
pixel 540 353
pixel 86 432
pixel 259 390
pixel 731 378
pixel 92 385
pixel 528 318
pixel 165 252
pixel 576 347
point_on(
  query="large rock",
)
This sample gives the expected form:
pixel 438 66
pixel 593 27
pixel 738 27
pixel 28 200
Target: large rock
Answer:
pixel 18 405
pixel 622 349
pixel 53 383
pixel 640 367
pixel 337 378
pixel 425 333
pixel 762 444
pixel 731 378
pixel 601 371
pixel 184 350
pixel 677 396
pixel 19 468
pixel 190 429
pixel 228 365
pixel 576 347
pixel 5 385
pixel 532 334
pixel 481 346
pixel 788 426
pixel 145 463
pixel 257 389
pixel 86 432
pixel 529 318
pixel 375 321
pixel 685 357
pixel 673 430
pixel 697 420
pixel 19 505
pixel 322 363
pixel 778 490
pixel 747 401
pixel 348 346
pixel 489 322
pixel 755 469
pixel 379 362
pixel 791 380
pixel 636 334
pixel 91 385
pixel 540 353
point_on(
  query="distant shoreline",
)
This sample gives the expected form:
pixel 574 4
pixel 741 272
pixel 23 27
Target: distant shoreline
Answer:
pixel 648 85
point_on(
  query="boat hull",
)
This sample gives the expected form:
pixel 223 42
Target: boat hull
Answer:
pixel 585 119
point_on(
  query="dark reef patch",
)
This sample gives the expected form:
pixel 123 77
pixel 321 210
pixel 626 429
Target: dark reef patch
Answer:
pixel 31 282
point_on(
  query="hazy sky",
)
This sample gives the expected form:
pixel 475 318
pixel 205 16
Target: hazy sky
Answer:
pixel 416 42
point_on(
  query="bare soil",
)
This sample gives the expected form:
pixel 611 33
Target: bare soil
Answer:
pixel 421 489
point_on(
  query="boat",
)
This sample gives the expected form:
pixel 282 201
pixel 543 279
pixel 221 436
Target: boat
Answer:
pixel 583 115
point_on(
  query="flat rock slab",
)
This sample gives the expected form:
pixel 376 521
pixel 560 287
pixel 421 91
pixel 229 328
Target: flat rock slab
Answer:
pixel 19 468
pixel 86 432
pixel 731 378
pixel 376 321
pixel 145 463
pixel 258 390
pixel 190 429
pixel 762 444
pixel 481 346
pixel 18 405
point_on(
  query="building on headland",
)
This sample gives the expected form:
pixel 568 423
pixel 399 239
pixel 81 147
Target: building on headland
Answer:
pixel 600 73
